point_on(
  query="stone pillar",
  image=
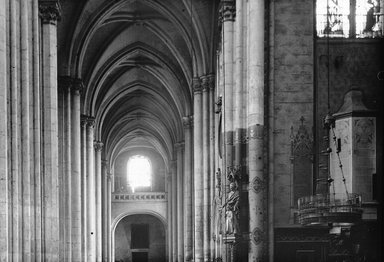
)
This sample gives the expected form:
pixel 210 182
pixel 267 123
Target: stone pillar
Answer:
pixel 4 222
pixel 98 148
pixel 15 134
pixel 25 132
pixel 104 210
pixel 180 210
pixel 67 174
pixel 71 189
pixel 109 223
pixel 174 209
pixel 49 13
pixel 76 197
pixel 169 214
pixel 206 168
pixel 211 177
pixel 84 195
pixel 257 194
pixel 198 176
pixel 91 194
pixel 238 82
pixel 188 229
pixel 227 15
pixel 37 130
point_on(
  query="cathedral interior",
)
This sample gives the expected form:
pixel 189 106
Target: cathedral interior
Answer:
pixel 191 130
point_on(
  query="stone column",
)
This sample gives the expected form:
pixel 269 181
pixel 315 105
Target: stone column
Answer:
pixel 84 195
pixel 67 174
pixel 211 107
pixel 227 15
pixel 71 190
pixel 180 210
pixel 98 148
pixel 198 176
pixel 49 13
pixel 257 194
pixel 104 210
pixel 238 82
pixel 108 223
pixel 4 222
pixel 37 130
pixel 65 170
pixel 25 132
pixel 188 230
pixel 169 213
pixel 15 162
pixel 76 197
pixel 206 168
pixel 174 209
pixel 91 194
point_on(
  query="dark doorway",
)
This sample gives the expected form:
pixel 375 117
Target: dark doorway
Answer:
pixel 139 236
pixel 139 256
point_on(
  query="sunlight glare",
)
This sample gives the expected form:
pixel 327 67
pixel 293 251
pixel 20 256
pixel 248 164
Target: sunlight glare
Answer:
pixel 139 172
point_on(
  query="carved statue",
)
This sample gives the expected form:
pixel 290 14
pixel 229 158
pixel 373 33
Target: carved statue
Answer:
pixel 232 210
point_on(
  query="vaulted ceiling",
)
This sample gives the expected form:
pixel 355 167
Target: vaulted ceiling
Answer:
pixel 137 59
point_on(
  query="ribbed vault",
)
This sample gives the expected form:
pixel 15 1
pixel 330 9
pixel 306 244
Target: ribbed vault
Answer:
pixel 137 60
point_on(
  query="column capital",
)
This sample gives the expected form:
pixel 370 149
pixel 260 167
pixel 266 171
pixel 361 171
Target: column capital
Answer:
pixel 187 121
pixel 204 83
pixel 87 121
pixel 227 11
pixel 207 82
pixel 196 85
pixel 98 145
pixel 83 120
pixel 90 121
pixel 179 145
pixel 49 11
pixel 74 84
pixel 109 176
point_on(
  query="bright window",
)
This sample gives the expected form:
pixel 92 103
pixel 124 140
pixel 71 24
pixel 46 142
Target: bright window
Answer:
pixel 332 18
pixel 349 18
pixel 139 172
pixel 368 18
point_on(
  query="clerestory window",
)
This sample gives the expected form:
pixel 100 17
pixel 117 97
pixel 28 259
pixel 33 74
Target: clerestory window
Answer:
pixel 349 18
pixel 139 172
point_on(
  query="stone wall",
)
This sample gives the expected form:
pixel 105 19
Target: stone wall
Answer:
pixel 291 46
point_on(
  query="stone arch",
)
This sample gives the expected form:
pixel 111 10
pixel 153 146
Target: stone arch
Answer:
pixel 120 217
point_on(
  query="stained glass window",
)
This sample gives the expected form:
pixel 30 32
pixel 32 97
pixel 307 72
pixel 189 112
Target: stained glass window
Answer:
pixel 349 18
pixel 332 18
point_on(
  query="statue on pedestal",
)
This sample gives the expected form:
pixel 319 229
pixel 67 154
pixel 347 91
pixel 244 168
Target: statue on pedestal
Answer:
pixel 232 210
